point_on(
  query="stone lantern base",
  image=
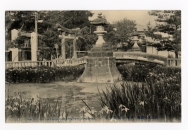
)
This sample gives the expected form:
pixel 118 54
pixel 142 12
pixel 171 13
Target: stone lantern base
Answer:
pixel 100 67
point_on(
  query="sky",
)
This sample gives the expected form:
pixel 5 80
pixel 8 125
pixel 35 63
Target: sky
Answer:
pixel 140 16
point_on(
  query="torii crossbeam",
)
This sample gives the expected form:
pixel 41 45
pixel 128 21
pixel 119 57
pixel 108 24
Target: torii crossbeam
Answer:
pixel 72 34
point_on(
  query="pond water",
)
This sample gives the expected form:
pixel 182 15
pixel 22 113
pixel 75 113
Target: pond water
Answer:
pixel 70 94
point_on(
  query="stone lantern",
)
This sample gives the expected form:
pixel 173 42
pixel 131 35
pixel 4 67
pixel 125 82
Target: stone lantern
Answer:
pixel 100 23
pixel 101 65
pixel 135 40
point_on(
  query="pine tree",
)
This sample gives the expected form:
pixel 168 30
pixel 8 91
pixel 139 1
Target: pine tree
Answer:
pixel 167 22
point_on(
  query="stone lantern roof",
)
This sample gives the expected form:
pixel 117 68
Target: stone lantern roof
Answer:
pixel 100 20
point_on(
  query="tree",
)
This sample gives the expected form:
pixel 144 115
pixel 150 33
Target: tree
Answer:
pixel 76 19
pixel 167 22
pixel 110 36
pixel 122 35
pixel 47 29
pixel 86 39
pixel 8 44
pixel 124 28
pixel 23 21
pixel 19 19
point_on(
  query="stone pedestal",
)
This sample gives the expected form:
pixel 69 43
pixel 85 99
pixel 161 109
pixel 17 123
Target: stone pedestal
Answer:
pixel 100 67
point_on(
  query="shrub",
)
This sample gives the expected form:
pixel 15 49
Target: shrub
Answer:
pixel 139 72
pixel 43 74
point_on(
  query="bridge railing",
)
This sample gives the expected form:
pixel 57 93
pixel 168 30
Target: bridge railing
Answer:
pixel 173 62
pixel 71 62
pixel 170 62
pixel 149 57
pixel 28 64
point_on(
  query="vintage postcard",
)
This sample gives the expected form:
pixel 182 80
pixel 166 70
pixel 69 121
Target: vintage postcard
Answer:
pixel 93 66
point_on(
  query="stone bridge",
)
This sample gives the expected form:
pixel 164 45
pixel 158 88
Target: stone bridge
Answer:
pixel 121 57
pixel 124 57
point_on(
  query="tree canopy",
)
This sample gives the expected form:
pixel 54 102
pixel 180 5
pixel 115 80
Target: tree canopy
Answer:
pixel 120 32
pixel 24 21
pixel 167 22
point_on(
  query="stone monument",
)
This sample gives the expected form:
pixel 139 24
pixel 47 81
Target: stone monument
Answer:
pixel 101 65
pixel 14 34
pixel 34 47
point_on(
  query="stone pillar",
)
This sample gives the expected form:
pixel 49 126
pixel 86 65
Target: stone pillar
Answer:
pixel 63 47
pixel 14 54
pixel 14 34
pixel 74 48
pixel 34 47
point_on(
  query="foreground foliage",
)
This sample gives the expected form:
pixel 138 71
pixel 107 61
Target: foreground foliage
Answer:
pixel 20 109
pixel 159 97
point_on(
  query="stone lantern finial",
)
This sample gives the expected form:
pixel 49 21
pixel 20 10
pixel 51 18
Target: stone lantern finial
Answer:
pixel 99 15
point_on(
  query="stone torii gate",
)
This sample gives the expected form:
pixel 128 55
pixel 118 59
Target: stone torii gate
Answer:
pixel 72 34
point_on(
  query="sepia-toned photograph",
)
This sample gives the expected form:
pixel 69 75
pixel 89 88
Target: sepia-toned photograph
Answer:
pixel 93 66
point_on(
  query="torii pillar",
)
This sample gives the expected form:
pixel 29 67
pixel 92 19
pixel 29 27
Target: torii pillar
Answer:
pixel 72 34
pixel 63 55
pixel 74 47
pixel 63 50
